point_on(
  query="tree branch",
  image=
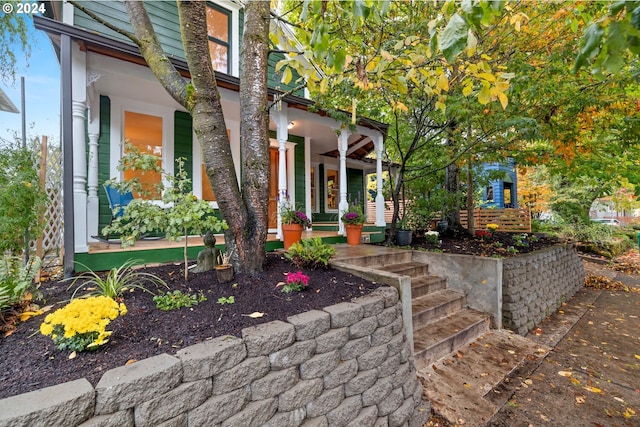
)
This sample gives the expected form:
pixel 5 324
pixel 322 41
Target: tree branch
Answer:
pixel 98 19
pixel 280 97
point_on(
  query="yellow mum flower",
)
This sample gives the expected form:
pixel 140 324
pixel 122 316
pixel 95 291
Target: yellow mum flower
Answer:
pixel 82 319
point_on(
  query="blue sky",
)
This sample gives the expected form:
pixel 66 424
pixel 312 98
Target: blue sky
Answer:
pixel 42 91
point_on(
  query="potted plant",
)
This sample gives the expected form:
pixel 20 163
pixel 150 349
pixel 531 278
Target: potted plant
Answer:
pixel 404 234
pixel 224 270
pixel 293 223
pixel 353 218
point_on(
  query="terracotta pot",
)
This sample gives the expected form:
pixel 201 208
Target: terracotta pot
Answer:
pixel 291 233
pixel 354 231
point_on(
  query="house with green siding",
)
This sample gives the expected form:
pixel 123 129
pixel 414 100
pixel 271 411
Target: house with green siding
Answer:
pixel 109 95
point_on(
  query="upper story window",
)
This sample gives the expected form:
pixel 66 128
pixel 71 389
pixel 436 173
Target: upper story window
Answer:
pixel 218 32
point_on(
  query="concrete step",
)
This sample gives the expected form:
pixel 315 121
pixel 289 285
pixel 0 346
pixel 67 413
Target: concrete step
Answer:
pixel 424 285
pixel 361 258
pixel 435 306
pixel 413 269
pixel 440 338
pixel 469 385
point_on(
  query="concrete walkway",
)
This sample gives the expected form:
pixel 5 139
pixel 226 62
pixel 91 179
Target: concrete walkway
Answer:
pixel 591 377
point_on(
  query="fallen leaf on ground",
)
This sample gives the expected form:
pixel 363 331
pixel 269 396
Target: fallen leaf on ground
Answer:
pixel 254 315
pixel 564 373
pixel 73 355
pixel 26 315
pixel 602 282
pixel 579 400
pixel 592 389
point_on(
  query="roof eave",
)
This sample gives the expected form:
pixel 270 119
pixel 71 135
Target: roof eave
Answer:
pixel 105 45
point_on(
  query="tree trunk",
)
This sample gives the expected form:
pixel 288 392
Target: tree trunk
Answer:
pixel 245 212
pixel 254 135
pixel 471 226
pixel 452 185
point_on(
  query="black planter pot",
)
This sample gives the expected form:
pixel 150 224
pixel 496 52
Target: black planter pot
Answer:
pixel 403 237
pixel 442 226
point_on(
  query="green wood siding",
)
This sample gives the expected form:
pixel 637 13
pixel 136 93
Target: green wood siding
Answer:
pixel 183 140
pixel 355 186
pixel 104 155
pixel 274 80
pixel 299 178
pixel 163 14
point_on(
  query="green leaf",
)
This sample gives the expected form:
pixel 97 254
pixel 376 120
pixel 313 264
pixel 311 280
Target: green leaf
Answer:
pixel 616 7
pixel 635 17
pixel 339 59
pixel 453 39
pixel 615 43
pixel 590 45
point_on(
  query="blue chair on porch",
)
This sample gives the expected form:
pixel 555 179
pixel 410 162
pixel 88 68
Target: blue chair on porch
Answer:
pixel 117 200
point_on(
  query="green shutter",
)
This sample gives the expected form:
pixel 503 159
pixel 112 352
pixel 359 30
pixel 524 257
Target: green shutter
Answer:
pixel 104 159
pixel 183 140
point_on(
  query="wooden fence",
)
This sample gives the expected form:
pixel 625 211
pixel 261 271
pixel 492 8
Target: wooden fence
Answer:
pixel 508 220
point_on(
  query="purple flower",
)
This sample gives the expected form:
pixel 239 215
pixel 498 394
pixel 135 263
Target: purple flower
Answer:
pixel 351 216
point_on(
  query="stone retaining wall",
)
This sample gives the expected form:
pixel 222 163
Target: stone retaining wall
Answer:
pixel 534 285
pixel 347 365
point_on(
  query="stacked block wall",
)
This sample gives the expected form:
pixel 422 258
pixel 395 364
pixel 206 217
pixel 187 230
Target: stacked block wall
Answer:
pixel 534 285
pixel 349 364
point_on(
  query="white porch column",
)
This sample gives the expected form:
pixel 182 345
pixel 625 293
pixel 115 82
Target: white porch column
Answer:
pixel 343 138
pixel 282 134
pixel 78 113
pixel 378 143
pixel 92 180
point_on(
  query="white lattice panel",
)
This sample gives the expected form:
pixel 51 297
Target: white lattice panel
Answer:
pixel 53 229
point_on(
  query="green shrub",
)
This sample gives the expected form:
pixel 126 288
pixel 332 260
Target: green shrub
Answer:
pixel 22 202
pixel 117 281
pixel 16 279
pixel 310 253
pixel 176 299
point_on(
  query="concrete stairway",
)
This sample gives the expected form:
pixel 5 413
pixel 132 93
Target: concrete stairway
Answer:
pixel 467 370
pixel 441 321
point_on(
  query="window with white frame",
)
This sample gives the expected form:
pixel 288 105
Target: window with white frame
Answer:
pixel 332 190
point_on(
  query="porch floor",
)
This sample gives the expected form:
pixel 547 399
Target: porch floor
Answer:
pixel 144 245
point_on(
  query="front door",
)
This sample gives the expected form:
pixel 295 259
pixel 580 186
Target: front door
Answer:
pixel 273 188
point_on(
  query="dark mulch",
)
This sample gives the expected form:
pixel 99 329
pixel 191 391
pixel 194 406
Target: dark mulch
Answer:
pixel 498 244
pixel 30 361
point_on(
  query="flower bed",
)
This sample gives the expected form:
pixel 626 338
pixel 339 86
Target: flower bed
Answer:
pixel 348 363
